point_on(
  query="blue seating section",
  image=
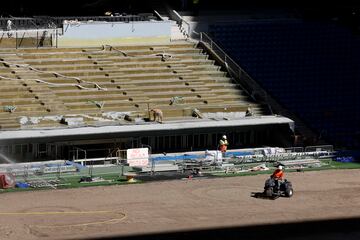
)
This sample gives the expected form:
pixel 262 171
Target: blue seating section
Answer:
pixel 311 68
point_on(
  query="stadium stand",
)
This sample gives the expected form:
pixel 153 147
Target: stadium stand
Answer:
pixel 72 80
pixel 74 88
pixel 306 65
pixel 110 85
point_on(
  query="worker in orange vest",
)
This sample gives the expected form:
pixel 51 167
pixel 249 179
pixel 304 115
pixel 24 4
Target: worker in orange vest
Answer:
pixel 223 144
pixel 278 176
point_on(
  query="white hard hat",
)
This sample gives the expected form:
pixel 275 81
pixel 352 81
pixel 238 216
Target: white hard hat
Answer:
pixel 224 137
pixel 280 167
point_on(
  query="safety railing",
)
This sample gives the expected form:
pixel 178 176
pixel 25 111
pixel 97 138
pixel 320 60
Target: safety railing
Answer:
pixel 41 37
pixel 53 22
pixel 31 36
pixel 253 89
pixel 328 148
pixel 157 14
pixel 39 28
pixel 185 27
pixel 115 18
pixel 294 149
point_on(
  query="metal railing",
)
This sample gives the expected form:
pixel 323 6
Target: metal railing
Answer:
pixel 116 18
pixel 152 160
pixel 251 87
pixel 75 153
pixel 157 14
pixel 45 27
pixel 328 148
pixel 43 36
pixel 294 149
pixel 185 27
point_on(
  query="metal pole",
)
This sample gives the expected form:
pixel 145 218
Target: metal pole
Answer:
pixel 152 160
pixel 37 39
pixel 16 44
pixel 58 171
pixel 56 38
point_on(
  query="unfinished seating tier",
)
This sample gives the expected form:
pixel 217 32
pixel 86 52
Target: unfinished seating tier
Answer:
pixel 89 82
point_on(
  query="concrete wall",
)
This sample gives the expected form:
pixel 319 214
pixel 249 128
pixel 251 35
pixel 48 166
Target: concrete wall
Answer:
pixel 99 33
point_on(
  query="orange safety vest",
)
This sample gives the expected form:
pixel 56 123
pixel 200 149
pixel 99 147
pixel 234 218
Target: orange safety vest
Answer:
pixel 278 174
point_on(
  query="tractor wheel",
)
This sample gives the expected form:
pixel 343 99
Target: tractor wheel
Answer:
pixel 289 192
pixel 269 192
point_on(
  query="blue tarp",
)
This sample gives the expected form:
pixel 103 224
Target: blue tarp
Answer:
pixel 194 156
pixel 22 185
pixel 236 154
pixel 53 165
pixel 77 165
pixel 173 158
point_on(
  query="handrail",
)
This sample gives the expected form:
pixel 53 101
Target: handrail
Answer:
pixel 152 160
pixel 251 86
pixel 111 153
pixel 158 14
pixel 33 23
pixel 309 148
pixel 37 32
pixel 77 149
pixel 180 20
pixel 20 25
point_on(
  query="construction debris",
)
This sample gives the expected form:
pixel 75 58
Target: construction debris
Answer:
pixel 97 103
pixel 224 115
pixel 24 120
pixel 128 118
pixel 8 64
pixel 196 113
pixel 115 115
pixel 72 121
pixel 261 167
pixel 9 108
pixel 118 50
pixel 106 117
pixel 176 100
pixel 158 167
pixel 164 56
pixel 40 183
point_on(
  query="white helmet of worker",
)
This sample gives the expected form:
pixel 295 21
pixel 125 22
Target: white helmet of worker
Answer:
pixel 280 167
pixel 224 137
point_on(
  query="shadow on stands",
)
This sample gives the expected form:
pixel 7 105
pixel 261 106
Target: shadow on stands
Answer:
pixel 347 228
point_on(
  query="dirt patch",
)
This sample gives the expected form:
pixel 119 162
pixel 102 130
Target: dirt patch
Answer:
pixel 176 205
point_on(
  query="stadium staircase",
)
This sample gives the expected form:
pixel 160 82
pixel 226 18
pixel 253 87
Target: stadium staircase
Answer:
pixel 43 84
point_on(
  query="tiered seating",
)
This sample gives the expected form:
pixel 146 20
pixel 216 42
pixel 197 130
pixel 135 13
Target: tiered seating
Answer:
pixel 88 82
pixel 305 65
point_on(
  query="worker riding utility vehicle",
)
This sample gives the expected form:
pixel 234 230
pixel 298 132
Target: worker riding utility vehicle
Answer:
pixel 280 189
